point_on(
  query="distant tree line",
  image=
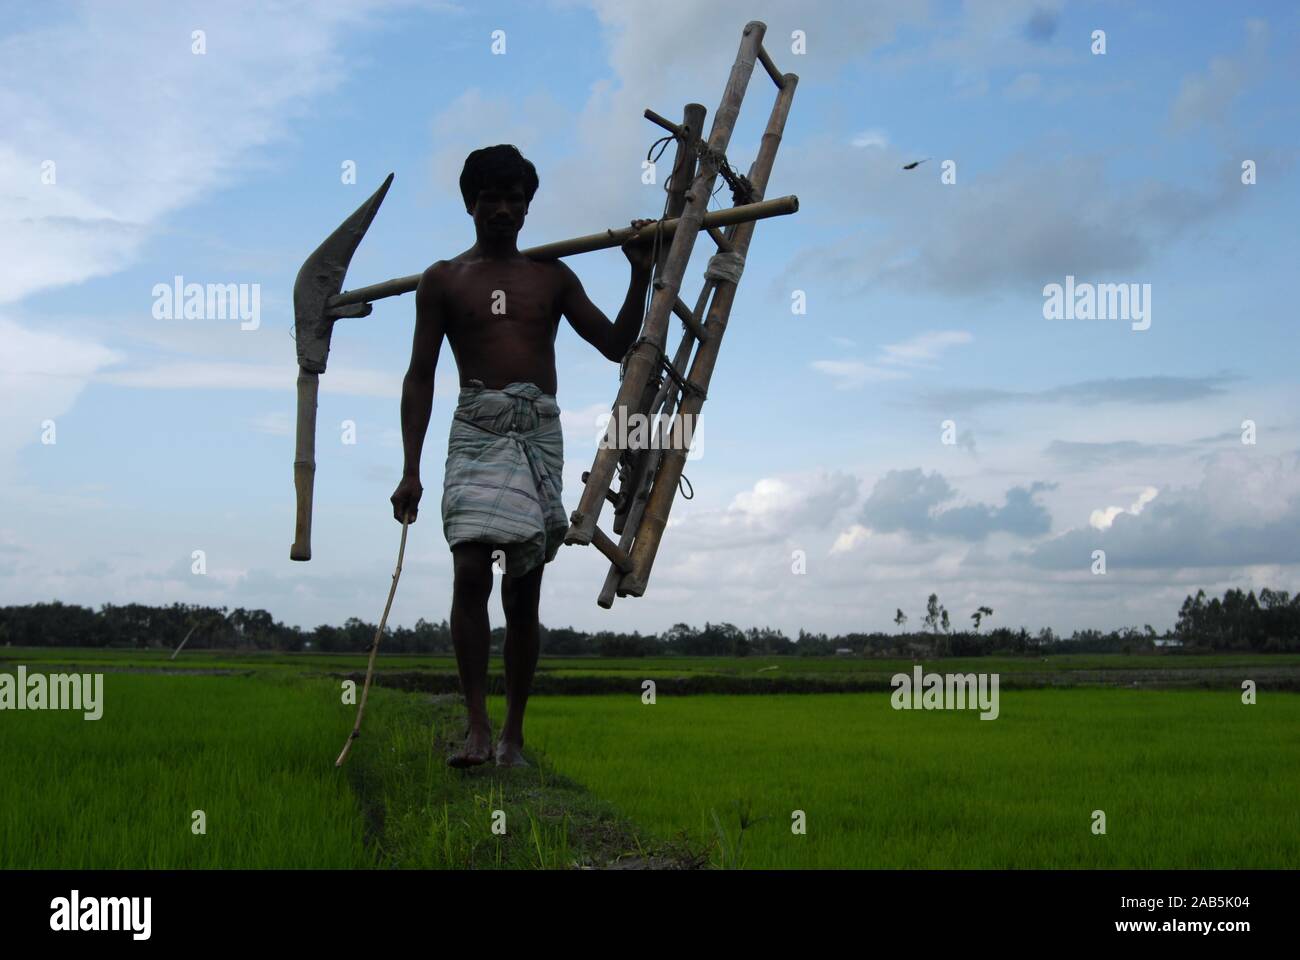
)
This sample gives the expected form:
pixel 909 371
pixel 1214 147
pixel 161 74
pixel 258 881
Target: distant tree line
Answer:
pixel 1240 621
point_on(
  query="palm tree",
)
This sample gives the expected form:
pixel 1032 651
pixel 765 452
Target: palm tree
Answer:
pixel 979 615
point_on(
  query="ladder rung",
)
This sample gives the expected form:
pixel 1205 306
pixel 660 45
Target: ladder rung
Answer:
pixel 650 483
pixel 664 122
pixel 684 313
pixel 616 554
pixel 770 67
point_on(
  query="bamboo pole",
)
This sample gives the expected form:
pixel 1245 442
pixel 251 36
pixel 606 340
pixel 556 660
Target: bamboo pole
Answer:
pixel 304 464
pixel 633 462
pixel 664 122
pixel 684 163
pixel 689 319
pixel 659 503
pixel 613 552
pixel 662 407
pixel 766 60
pixel 644 358
pixel 778 207
pixel 664 402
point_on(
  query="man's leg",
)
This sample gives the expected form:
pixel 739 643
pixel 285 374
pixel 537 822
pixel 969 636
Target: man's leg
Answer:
pixel 519 600
pixel 471 635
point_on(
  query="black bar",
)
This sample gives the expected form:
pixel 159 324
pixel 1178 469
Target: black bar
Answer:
pixel 334 909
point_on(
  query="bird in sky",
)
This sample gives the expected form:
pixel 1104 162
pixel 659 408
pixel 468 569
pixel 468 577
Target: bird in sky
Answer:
pixel 914 164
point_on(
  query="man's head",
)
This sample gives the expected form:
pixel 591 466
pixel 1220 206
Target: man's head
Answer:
pixel 498 184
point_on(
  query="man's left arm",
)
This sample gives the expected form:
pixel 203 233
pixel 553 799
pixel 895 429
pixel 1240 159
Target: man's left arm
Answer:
pixel 611 339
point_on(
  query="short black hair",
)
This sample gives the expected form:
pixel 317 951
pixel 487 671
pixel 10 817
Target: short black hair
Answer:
pixel 495 166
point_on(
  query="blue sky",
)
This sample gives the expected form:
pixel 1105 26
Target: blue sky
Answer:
pixel 823 430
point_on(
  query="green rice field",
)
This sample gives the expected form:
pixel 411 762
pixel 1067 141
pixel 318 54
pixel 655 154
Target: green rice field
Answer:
pixel 1186 778
pixel 121 791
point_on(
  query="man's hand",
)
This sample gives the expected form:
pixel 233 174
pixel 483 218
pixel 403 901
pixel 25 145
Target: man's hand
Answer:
pixel 640 253
pixel 406 499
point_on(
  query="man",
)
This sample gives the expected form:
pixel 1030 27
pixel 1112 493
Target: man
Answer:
pixel 500 311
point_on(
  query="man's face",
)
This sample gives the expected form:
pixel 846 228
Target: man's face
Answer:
pixel 500 209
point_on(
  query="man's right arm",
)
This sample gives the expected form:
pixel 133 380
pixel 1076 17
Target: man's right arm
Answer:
pixel 417 392
pixel 417 386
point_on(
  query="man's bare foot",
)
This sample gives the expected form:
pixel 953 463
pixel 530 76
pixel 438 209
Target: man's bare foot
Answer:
pixel 510 754
pixel 476 750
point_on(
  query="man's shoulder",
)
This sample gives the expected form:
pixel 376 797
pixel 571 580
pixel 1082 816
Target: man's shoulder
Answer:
pixel 435 272
pixel 433 282
pixel 562 273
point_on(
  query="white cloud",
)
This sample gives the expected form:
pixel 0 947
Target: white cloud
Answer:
pixel 774 509
pixel 768 496
pixel 89 227
pixel 1102 519
pixel 1206 98
pixel 674 52
pixel 1244 512
pixel 923 349
pixel 90 176
pixel 873 138
pixel 934 240
pixel 113 185
pixel 849 374
pixel 42 373
pixel 979 37
pixel 895 361
pixel 583 429
pixel 277 423
pixel 850 538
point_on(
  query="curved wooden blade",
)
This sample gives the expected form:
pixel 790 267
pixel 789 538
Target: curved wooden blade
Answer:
pixel 321 277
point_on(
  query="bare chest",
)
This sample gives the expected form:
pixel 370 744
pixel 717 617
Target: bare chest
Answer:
pixel 521 296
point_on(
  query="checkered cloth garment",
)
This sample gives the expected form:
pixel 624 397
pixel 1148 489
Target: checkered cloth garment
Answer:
pixel 503 480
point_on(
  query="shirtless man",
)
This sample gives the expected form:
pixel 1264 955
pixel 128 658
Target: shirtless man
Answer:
pixel 496 348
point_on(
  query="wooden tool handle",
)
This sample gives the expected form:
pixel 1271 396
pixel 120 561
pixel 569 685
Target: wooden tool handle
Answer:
pixel 744 213
pixel 304 463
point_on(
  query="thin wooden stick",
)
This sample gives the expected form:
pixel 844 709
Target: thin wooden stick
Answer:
pixel 187 636
pixel 374 649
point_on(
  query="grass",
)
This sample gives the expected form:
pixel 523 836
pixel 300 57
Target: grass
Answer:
pixel 1186 779
pixel 119 792
pixel 423 813
pixel 256 755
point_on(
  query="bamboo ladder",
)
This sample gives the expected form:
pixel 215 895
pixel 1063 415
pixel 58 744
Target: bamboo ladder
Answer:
pixel 649 478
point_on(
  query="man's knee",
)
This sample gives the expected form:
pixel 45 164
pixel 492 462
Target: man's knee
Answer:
pixel 472 572
pixel 520 595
